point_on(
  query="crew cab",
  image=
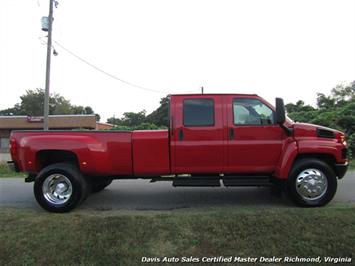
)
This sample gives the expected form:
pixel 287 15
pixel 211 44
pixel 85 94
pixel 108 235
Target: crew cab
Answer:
pixel 212 139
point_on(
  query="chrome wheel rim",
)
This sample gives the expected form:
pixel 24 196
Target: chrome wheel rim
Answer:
pixel 57 189
pixel 311 184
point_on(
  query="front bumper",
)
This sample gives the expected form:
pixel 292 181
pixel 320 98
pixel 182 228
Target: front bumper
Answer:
pixel 340 169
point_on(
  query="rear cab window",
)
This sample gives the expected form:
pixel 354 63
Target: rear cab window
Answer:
pixel 198 112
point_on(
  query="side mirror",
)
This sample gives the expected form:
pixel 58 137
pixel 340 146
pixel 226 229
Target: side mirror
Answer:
pixel 280 111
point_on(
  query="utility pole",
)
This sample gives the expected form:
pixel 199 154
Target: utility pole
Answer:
pixel 48 67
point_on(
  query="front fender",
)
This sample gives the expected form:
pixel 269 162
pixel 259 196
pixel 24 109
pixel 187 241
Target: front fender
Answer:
pixel 288 156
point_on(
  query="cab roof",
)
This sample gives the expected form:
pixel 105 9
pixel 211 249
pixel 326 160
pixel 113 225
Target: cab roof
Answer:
pixel 212 94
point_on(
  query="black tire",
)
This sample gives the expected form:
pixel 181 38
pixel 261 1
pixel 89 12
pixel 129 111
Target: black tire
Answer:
pixel 99 185
pixel 79 187
pixel 299 167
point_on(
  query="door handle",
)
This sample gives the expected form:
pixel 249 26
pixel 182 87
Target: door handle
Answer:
pixel 231 133
pixel 181 134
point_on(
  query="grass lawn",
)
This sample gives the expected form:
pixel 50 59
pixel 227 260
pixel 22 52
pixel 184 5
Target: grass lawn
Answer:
pixel 352 165
pixel 31 237
pixel 5 171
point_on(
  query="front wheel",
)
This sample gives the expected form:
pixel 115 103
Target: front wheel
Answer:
pixel 60 187
pixel 311 183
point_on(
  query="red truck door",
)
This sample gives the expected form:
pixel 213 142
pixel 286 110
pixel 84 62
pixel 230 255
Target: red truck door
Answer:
pixel 254 140
pixel 197 141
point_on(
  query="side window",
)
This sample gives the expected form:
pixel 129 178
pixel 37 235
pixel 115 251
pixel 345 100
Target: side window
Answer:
pixel 252 112
pixel 198 112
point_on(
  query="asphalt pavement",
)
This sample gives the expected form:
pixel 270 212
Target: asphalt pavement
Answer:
pixel 143 195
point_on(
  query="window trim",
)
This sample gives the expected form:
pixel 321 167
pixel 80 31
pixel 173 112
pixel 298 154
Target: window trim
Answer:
pixel 213 110
pixel 252 125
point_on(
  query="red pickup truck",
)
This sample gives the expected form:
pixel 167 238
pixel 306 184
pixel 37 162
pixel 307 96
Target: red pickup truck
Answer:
pixel 234 139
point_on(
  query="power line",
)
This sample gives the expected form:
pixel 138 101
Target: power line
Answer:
pixel 108 74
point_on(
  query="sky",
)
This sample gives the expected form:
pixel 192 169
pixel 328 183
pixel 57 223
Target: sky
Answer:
pixel 289 49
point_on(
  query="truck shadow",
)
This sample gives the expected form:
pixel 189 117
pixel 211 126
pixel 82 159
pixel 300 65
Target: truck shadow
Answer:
pixel 142 195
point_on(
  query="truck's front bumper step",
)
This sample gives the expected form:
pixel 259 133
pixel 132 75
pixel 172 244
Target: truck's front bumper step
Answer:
pixel 30 178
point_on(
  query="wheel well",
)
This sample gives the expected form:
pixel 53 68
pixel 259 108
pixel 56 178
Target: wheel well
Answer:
pixel 327 158
pixel 48 157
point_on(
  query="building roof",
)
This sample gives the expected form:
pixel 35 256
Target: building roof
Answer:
pixel 55 121
pixel 104 126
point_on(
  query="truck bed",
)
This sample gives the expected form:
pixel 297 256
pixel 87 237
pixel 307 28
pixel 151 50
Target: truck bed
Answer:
pixel 108 153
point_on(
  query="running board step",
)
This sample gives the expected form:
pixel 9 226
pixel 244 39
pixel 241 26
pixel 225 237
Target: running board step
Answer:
pixel 246 181
pixel 198 182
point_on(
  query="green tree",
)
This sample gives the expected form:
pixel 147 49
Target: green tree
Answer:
pixel 114 121
pixel 160 116
pixel 325 102
pixel 340 95
pixel 11 111
pixel 336 110
pixel 298 107
pixel 344 93
pixel 32 103
pixel 146 125
pixel 132 119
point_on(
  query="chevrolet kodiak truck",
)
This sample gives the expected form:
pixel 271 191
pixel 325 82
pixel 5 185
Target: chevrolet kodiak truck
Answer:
pixel 234 139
